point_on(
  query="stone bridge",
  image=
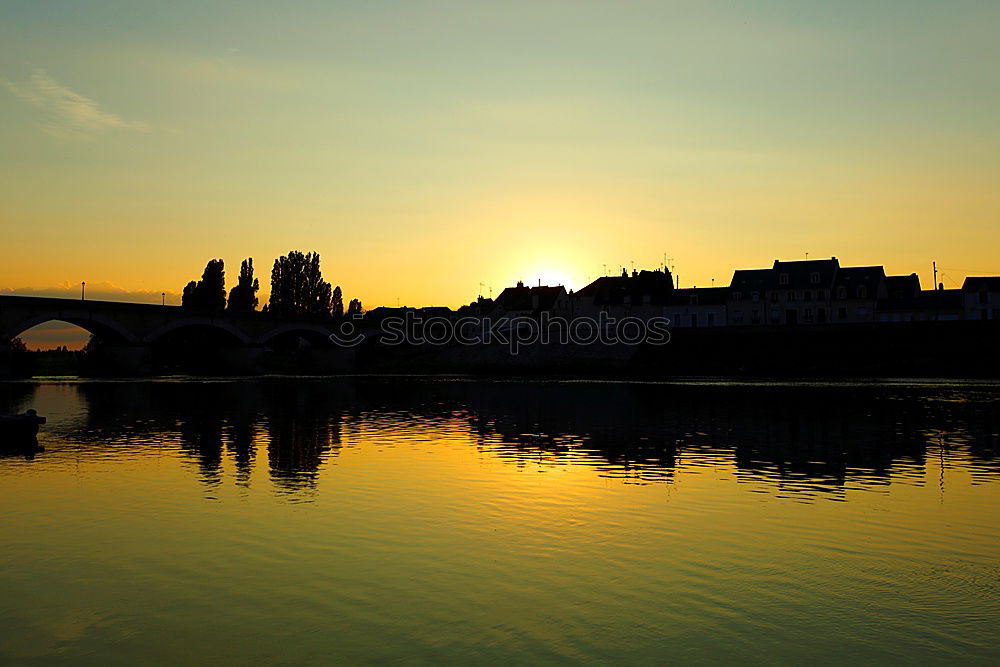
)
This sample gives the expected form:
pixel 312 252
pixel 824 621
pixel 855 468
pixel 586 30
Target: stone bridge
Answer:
pixel 129 331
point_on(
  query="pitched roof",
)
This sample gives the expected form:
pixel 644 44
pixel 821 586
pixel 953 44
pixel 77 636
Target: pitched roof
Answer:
pixel 988 283
pixel 800 273
pixel 855 276
pixel 613 289
pixel 901 287
pixel 750 279
pixel 523 298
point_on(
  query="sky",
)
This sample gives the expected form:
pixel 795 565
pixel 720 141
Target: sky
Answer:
pixel 427 148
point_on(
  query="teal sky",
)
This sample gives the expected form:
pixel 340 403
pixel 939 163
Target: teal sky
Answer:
pixel 425 147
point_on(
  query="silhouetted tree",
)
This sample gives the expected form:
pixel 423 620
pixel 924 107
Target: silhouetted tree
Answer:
pixel 213 286
pixel 17 345
pixel 337 302
pixel 243 297
pixel 297 286
pixel 209 293
pixel 354 307
pixel 190 295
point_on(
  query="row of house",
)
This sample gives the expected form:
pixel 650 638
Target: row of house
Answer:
pixel 807 292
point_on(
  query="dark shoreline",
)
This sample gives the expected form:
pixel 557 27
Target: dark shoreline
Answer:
pixel 900 350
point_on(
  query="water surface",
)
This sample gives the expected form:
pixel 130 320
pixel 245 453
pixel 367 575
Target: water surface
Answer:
pixel 419 520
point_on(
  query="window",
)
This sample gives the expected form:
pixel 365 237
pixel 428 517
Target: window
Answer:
pixel 774 297
pixel 775 315
pixel 841 313
pixel 841 292
pixel 694 319
pixel 645 299
pixel 807 295
pixel 676 319
pixel 711 319
pixel 862 313
pixel 755 316
pixel 983 314
pixel 737 317
pixel 984 296
pixel 755 296
pixel 996 313
pixel 814 277
pixel 790 296
pixel 862 292
pixel 807 315
pixel 693 299
pixel 783 279
pixel 737 296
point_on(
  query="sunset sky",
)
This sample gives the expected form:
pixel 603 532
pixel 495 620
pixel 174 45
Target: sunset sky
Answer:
pixel 423 148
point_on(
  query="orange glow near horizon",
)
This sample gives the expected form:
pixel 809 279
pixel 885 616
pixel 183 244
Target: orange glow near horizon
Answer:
pixel 718 138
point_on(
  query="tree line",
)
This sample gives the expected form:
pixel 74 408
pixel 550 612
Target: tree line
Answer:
pixel 297 289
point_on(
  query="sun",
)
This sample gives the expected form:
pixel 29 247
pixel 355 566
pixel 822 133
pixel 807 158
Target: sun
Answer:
pixel 550 277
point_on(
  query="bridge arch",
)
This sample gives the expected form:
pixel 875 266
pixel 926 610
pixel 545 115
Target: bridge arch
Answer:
pixel 193 323
pixel 313 333
pixel 106 328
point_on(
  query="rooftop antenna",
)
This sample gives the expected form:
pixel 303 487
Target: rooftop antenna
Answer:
pixel 807 255
pixel 934 264
pixel 481 285
pixel 713 282
pixel 633 265
pixel 605 269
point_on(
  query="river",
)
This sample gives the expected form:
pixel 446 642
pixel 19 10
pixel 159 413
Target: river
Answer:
pixel 429 519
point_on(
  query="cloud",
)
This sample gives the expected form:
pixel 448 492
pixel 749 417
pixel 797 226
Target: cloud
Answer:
pixel 96 291
pixel 67 113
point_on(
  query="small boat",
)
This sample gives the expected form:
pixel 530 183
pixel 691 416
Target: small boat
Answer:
pixel 19 431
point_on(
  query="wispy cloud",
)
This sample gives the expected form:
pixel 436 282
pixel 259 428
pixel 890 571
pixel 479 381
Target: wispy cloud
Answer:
pixel 67 113
pixel 96 291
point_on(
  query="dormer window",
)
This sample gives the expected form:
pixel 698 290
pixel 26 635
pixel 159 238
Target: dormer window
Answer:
pixel 783 279
pixel 755 296
pixel 694 300
pixel 737 296
pixel 862 292
pixel 841 292
pixel 814 277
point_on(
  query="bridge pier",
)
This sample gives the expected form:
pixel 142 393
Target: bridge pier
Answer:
pixel 328 360
pixel 123 359
pixel 244 359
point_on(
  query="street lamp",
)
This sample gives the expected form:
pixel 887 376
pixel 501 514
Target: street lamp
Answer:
pixel 163 298
pixel 83 291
